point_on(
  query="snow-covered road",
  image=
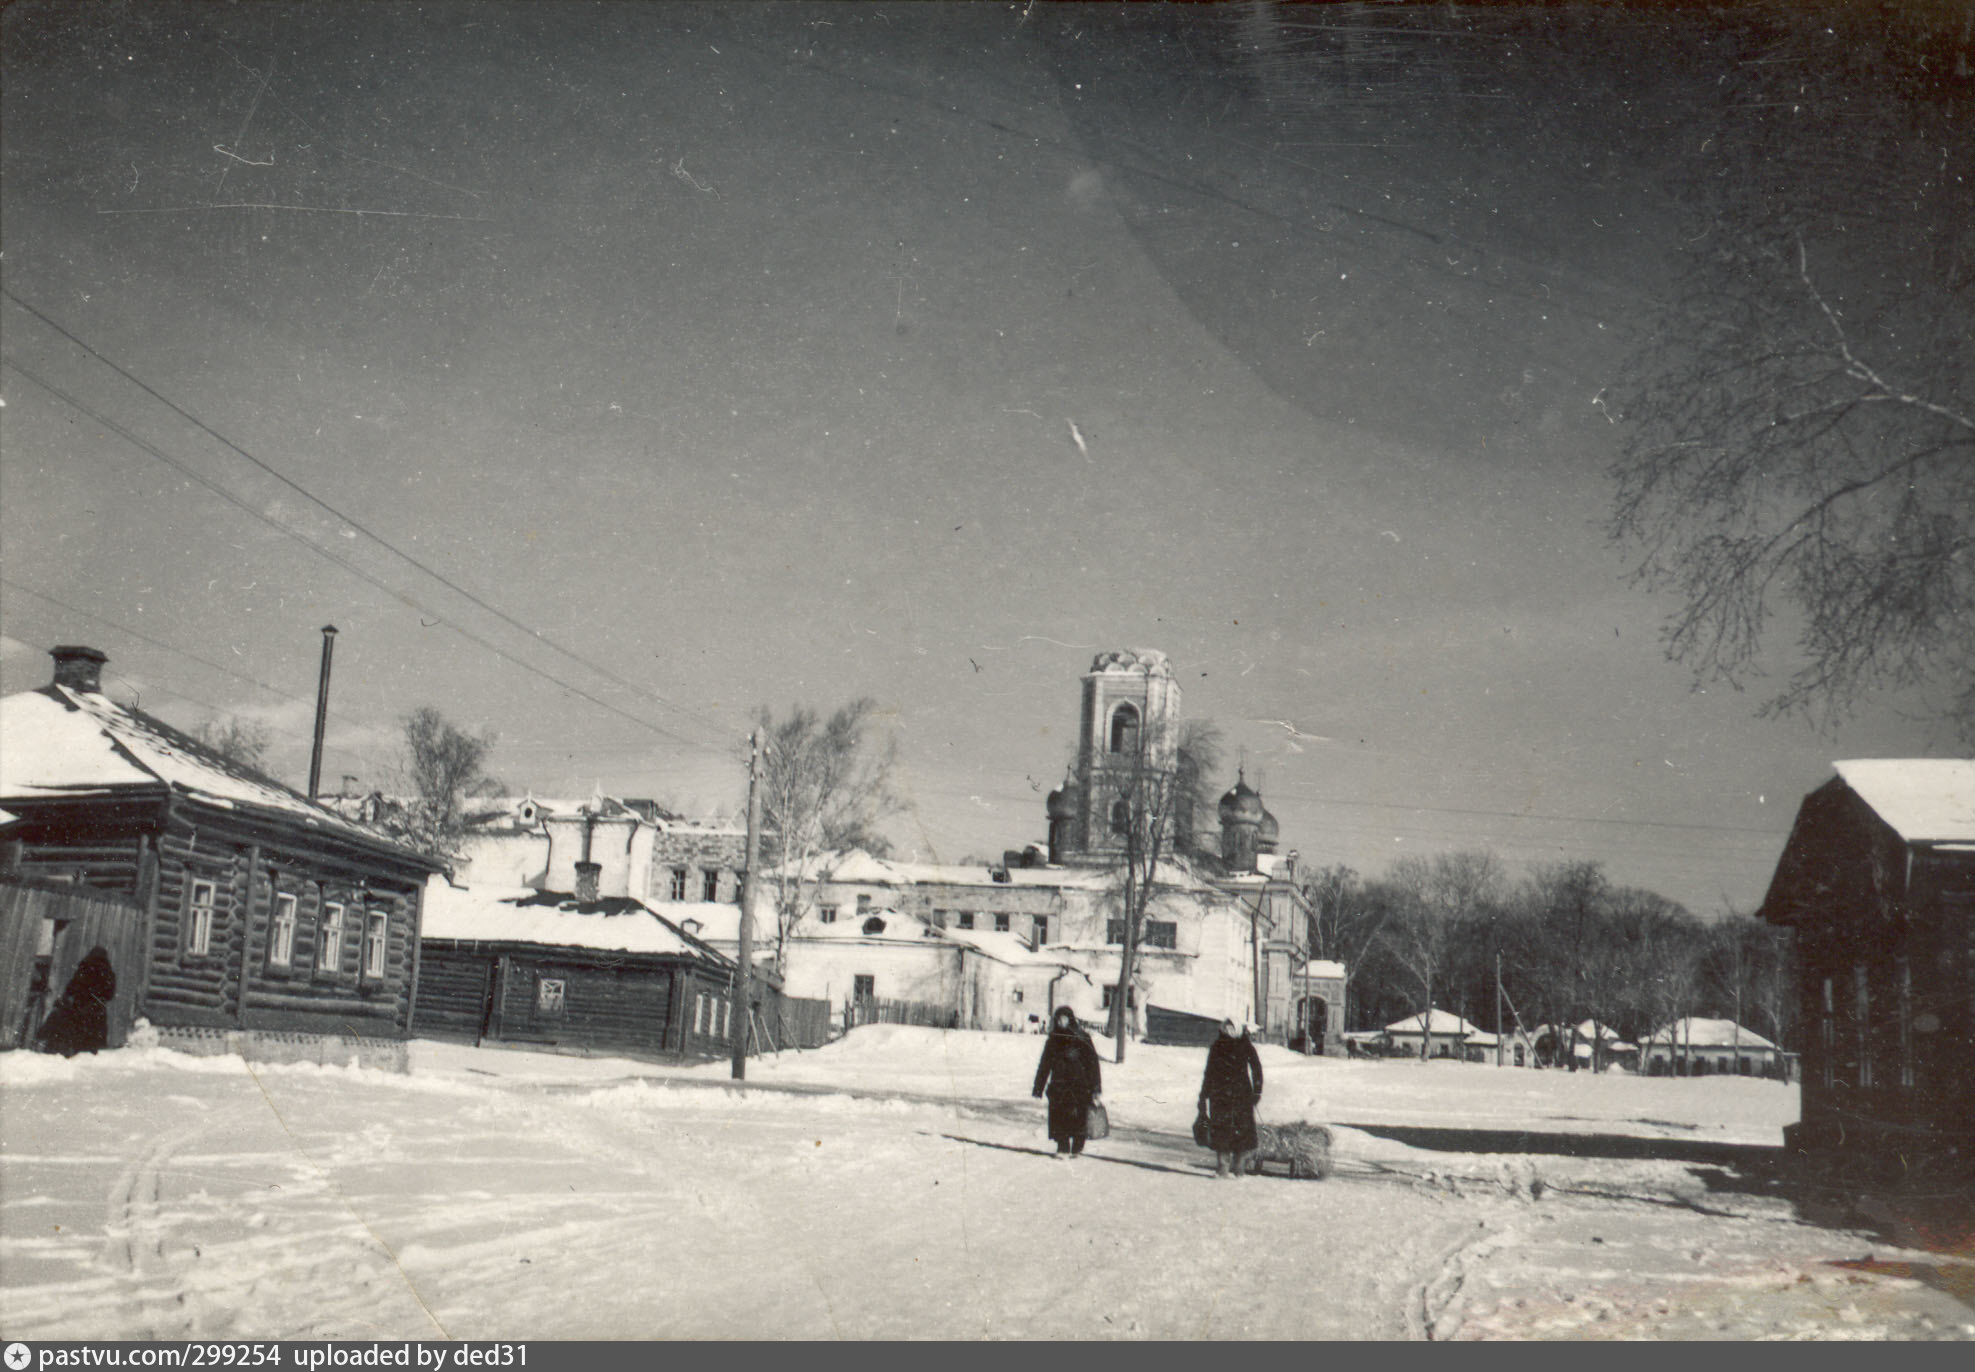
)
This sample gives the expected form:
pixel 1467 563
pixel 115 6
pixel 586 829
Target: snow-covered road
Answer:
pixel 507 1195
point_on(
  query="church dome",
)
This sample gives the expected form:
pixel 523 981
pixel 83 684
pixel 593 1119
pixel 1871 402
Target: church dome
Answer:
pixel 1062 803
pixel 1241 805
pixel 1270 830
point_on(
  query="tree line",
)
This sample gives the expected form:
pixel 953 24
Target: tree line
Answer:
pixel 1570 945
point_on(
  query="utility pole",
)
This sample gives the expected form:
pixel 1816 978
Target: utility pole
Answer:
pixel 1498 1007
pixel 743 973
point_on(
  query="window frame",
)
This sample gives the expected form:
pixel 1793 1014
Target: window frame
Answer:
pixel 200 916
pixel 678 886
pixel 329 928
pixel 376 937
pixel 283 914
pixel 551 995
pixel 709 885
pixel 1003 923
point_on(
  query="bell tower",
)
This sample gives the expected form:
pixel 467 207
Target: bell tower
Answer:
pixel 1129 722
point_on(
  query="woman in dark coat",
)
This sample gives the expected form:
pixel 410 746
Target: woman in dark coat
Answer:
pixel 1070 1074
pixel 1228 1093
pixel 80 1021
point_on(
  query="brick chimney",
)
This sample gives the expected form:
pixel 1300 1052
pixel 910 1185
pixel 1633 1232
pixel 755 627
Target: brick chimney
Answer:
pixel 79 668
pixel 587 874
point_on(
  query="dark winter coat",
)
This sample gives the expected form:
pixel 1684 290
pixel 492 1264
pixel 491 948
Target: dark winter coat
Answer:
pixel 1229 1089
pixel 80 1021
pixel 1070 1075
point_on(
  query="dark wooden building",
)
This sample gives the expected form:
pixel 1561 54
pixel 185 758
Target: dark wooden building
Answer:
pixel 1877 883
pixel 265 915
pixel 602 974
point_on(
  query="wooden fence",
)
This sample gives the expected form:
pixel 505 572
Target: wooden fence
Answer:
pixel 45 930
pixel 871 1010
pixel 792 1022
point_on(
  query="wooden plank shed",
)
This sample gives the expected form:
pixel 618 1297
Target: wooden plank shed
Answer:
pixel 1877 883
pixel 263 912
pixel 606 974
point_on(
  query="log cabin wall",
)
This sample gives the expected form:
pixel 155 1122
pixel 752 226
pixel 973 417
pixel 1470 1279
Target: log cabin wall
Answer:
pixel 211 883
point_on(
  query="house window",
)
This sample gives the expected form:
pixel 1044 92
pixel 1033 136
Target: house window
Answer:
pixel 966 919
pixel 678 883
pixel 1041 929
pixel 1121 817
pixel 281 932
pixel 699 1014
pixel 1111 994
pixel 826 914
pixel 329 939
pixel 1162 933
pixel 1001 924
pixel 1862 1021
pixel 1827 1035
pixel 864 987
pixel 709 884
pixel 1124 729
pixel 1905 976
pixel 548 995
pixel 863 903
pixel 200 900
pixel 1114 931
pixel 376 936
pixel 726 1018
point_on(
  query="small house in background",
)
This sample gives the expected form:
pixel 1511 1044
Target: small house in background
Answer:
pixel 1447 1031
pixel 261 922
pixel 596 974
pixel 1877 883
pixel 1709 1047
pixel 1587 1045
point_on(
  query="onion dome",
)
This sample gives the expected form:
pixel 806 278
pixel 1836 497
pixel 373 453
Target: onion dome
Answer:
pixel 1270 830
pixel 1241 805
pixel 1062 802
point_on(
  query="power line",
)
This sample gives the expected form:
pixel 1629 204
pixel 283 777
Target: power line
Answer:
pixel 400 596
pixel 374 537
pixel 172 648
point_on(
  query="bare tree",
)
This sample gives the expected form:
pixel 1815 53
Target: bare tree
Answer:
pixel 825 787
pixel 1436 897
pixel 441 765
pixel 1197 758
pixel 1344 920
pixel 1143 806
pixel 241 741
pixel 1802 420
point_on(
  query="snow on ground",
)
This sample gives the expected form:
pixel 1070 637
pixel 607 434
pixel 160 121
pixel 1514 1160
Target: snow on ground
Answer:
pixel 897 1185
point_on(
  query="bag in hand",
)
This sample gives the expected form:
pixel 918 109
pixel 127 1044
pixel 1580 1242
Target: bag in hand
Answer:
pixel 1097 1123
pixel 1202 1135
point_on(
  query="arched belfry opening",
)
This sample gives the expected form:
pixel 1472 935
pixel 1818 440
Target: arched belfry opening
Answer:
pixel 1124 730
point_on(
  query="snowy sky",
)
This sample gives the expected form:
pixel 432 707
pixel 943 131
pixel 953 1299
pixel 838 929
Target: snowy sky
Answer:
pixel 764 353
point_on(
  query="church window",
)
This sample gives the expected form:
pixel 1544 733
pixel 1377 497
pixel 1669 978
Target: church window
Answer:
pixel 1001 924
pixel 1121 817
pixel 1162 933
pixel 966 919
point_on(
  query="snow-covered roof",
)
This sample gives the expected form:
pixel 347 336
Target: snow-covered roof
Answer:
pixel 1442 1022
pixel 896 926
pixel 1925 799
pixel 716 921
pixel 522 915
pixel 62 742
pixel 1009 948
pixel 1319 967
pixel 1706 1033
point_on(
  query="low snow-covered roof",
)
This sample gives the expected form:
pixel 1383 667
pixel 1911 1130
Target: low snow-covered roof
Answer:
pixel 1318 967
pixel 1009 948
pixel 1706 1033
pixel 523 915
pixel 891 925
pixel 1442 1022
pixel 1925 799
pixel 63 742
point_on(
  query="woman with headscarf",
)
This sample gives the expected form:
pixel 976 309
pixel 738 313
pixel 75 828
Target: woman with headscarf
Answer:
pixel 80 1021
pixel 1070 1074
pixel 1229 1090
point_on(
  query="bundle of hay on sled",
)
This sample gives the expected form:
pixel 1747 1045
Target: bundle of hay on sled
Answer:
pixel 1304 1148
